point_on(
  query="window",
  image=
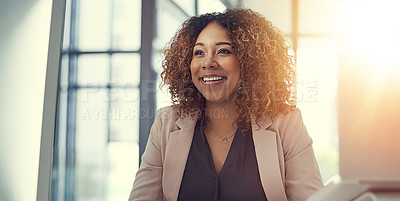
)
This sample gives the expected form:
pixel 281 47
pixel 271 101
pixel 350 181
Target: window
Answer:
pixel 317 81
pixel 97 150
pixel 98 141
pixel 309 25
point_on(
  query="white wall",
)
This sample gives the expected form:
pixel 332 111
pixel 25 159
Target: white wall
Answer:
pixel 24 33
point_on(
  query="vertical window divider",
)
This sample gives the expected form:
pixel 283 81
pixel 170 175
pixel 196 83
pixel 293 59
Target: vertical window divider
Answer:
pixel 147 73
pixel 70 176
pixel 196 7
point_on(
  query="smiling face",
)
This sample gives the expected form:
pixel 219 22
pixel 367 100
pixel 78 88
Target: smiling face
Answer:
pixel 214 68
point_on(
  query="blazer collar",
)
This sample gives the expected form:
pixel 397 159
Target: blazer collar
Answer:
pixel 268 146
pixel 186 122
pixel 178 147
pixel 263 124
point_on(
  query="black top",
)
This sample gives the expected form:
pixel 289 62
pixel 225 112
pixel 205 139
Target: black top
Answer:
pixel 238 179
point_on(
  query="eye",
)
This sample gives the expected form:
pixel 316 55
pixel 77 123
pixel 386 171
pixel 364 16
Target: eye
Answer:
pixel 224 51
pixel 198 52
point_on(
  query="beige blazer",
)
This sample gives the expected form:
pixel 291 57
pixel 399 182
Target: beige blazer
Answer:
pixel 285 157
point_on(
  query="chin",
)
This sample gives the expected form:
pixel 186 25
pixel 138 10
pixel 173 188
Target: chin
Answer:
pixel 219 100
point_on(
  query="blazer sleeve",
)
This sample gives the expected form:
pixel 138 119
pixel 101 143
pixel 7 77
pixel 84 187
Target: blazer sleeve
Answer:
pixel 147 184
pixel 302 173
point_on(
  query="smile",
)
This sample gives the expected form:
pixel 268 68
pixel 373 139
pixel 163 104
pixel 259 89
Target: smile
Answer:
pixel 212 79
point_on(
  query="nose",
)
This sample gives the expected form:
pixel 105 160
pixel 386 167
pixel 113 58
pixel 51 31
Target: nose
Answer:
pixel 210 62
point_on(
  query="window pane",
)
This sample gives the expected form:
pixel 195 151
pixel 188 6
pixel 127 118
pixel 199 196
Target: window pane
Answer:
pixel 64 72
pixel 317 16
pixel 67 25
pixel 91 144
pixel 126 69
pixel 187 6
pixel 163 97
pixel 124 115
pixel 208 6
pixel 94 24
pixel 317 42
pixel 123 163
pixel 60 159
pixel 93 70
pixel 126 24
pixel 316 91
pixel 167 25
pixel 279 12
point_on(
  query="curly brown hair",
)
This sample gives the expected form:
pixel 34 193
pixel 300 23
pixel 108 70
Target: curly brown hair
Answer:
pixel 266 65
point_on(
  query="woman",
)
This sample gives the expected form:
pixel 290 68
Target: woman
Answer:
pixel 232 133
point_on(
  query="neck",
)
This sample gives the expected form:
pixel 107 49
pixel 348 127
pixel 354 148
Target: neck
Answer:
pixel 220 116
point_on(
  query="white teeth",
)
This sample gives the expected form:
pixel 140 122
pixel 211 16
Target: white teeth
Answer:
pixel 210 79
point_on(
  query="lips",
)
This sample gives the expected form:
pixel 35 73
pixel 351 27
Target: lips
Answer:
pixel 212 79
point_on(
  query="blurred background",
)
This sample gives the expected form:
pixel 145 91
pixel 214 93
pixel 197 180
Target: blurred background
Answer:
pixel 110 74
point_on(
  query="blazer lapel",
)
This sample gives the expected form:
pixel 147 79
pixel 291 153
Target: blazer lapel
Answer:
pixel 177 151
pixel 266 147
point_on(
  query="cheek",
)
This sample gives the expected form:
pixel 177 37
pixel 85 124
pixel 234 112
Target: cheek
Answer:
pixel 234 68
pixel 193 72
pixel 194 68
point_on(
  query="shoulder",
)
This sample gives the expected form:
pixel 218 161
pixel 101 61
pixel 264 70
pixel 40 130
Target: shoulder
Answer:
pixel 166 116
pixel 168 112
pixel 164 123
pixel 169 115
pixel 282 121
pixel 168 119
pixel 292 133
pixel 292 118
pixel 167 122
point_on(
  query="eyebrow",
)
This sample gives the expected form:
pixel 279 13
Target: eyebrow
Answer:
pixel 219 43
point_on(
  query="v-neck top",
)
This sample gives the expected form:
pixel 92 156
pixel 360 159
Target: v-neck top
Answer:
pixel 238 180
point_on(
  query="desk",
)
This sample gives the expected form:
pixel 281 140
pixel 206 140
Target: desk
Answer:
pixel 379 196
pixel 349 191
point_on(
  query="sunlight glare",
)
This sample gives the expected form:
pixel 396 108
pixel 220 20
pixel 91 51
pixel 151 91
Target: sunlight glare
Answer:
pixel 370 28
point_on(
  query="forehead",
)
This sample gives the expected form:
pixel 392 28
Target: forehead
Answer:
pixel 213 32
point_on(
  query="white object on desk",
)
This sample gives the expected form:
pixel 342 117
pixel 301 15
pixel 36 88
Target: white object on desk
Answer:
pixel 379 196
pixel 342 191
pixel 356 191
